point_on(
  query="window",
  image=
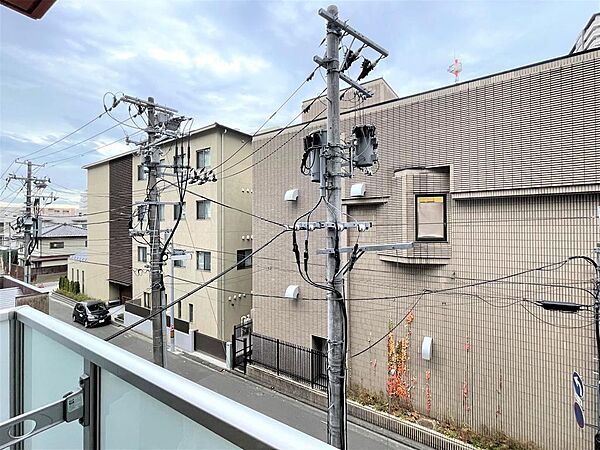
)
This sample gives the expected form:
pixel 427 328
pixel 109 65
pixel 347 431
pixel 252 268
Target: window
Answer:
pixel 203 158
pixel 141 173
pixel 161 212
pixel 241 254
pixel 179 310
pixel 179 209
pixel 142 254
pixel 85 243
pixel 77 275
pixel 82 281
pixel 431 217
pixel 57 245
pixel 72 274
pixel 178 263
pixel 141 212
pixel 203 260
pixel 202 209
pixel 191 312
pixel 146 299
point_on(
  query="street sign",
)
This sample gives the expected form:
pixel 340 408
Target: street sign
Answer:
pixel 579 417
pixel 578 386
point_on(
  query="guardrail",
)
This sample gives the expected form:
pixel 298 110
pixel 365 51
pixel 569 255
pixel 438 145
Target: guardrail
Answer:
pixel 42 359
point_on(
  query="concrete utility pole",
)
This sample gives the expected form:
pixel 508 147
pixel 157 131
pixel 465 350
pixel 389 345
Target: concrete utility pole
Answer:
pixel 156 276
pixel 335 318
pixel 597 320
pixel 26 222
pixel 327 167
pixel 172 327
pixel 161 122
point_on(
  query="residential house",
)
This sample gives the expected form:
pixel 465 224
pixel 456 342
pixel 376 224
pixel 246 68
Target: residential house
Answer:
pixel 49 259
pixel 496 183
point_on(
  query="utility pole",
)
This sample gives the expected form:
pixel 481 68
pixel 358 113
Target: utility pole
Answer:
pixel 175 255
pixel 162 123
pixel 26 222
pixel 597 320
pixel 326 168
pixel 335 318
pixel 172 327
pixel 9 250
pixel 156 276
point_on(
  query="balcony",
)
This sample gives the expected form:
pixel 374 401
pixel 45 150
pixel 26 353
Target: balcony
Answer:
pixel 72 390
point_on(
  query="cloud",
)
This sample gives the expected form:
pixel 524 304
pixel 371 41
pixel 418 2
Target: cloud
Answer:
pixel 107 148
pixel 236 62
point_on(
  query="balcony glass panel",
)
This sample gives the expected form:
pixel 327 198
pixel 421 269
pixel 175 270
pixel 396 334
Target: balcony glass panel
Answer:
pixel 4 370
pixel 50 371
pixel 150 423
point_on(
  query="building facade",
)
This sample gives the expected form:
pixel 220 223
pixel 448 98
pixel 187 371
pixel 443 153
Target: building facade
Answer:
pixel 104 268
pixel 589 38
pixel 496 183
pixel 115 266
pixel 214 236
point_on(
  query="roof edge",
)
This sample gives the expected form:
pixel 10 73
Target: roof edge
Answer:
pixel 452 86
pixel 195 132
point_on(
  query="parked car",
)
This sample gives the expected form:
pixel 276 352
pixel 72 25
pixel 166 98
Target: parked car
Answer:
pixel 91 313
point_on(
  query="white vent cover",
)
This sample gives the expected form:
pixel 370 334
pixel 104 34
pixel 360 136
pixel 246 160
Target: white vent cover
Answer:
pixel 358 190
pixel 291 195
pixel 426 348
pixel 292 291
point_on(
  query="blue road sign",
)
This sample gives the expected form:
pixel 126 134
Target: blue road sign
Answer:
pixel 579 417
pixel 578 385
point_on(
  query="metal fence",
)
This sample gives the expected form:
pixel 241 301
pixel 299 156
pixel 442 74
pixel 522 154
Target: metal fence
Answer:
pixel 241 343
pixel 299 363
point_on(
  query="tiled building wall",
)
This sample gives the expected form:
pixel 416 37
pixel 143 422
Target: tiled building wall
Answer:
pixel 522 153
pixel 498 360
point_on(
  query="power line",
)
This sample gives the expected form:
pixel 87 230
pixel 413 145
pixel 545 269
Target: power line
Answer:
pixel 551 266
pixel 56 161
pixel 279 132
pixel 80 142
pixel 268 119
pixel 65 136
pixel 193 291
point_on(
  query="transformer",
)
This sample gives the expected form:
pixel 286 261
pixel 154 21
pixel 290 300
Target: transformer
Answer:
pixel 365 144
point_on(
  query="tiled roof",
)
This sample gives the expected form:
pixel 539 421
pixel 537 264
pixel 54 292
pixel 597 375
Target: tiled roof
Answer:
pixel 63 230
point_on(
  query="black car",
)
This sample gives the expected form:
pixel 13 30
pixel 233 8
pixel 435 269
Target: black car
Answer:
pixel 91 313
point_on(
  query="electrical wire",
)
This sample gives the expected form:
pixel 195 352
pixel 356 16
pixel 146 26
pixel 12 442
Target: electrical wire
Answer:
pixel 193 291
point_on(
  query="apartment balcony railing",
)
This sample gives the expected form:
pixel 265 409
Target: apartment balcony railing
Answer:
pixel 62 388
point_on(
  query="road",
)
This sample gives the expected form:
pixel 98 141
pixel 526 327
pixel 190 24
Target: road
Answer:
pixel 284 409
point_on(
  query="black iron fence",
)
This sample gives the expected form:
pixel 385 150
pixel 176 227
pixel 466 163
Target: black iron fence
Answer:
pixel 299 363
pixel 241 345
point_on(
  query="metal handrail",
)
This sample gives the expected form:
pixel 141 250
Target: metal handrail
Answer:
pixel 236 423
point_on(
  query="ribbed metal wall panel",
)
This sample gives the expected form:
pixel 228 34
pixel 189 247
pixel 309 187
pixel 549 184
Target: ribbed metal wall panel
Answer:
pixel 119 244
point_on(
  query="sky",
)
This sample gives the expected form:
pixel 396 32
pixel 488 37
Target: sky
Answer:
pixel 232 62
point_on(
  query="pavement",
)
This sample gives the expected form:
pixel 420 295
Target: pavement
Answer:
pixel 298 415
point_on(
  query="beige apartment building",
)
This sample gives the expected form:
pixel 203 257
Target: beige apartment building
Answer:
pixel 496 183
pixel 114 266
pixel 214 236
pixel 104 268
